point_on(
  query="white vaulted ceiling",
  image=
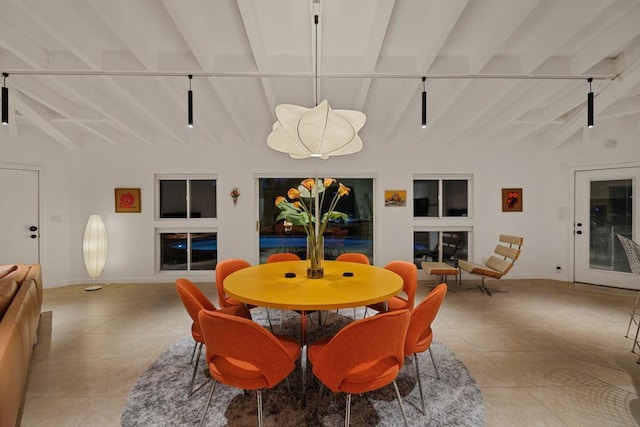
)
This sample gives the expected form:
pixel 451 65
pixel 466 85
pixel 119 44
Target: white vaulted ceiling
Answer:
pixel 89 72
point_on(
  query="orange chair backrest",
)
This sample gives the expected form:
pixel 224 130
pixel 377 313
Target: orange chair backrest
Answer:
pixel 359 345
pixel 194 301
pixel 353 257
pixel 223 269
pixel 419 334
pixel 285 256
pixel 409 273
pixel 235 337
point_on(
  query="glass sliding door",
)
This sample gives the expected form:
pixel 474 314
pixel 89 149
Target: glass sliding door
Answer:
pixel 353 234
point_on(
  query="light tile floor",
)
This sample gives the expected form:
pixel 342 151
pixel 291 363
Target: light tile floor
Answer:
pixel 544 353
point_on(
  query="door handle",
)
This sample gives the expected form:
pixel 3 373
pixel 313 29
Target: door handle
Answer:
pixel 579 232
pixel 33 228
pixel 33 236
pixel 579 224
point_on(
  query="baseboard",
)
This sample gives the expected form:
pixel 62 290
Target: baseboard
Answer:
pixel 609 290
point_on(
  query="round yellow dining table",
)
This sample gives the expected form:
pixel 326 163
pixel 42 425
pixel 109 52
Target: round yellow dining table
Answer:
pixel 266 285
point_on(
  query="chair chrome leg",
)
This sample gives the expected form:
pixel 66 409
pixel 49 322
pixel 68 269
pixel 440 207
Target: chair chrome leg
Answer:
pixel 319 399
pixel 259 393
pixel 633 313
pixel 635 340
pixel 632 319
pixel 404 416
pixel 347 414
pixel 288 383
pixel 195 369
pixel 415 358
pixel 483 286
pixel 269 320
pixel 195 345
pixel 434 363
pixel 206 408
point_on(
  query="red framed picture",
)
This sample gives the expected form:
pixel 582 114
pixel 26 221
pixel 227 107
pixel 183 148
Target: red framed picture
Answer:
pixel 512 200
pixel 127 200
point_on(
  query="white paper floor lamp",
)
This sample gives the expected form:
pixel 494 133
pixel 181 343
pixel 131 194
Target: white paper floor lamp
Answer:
pixel 94 249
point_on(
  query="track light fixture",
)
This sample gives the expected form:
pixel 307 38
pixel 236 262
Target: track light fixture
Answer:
pixel 590 105
pixel 190 104
pixel 424 103
pixel 5 100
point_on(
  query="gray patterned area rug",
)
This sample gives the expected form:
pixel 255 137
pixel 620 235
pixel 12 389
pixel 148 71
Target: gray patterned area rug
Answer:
pixel 159 397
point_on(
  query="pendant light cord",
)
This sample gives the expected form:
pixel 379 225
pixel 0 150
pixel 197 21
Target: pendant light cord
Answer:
pixel 315 94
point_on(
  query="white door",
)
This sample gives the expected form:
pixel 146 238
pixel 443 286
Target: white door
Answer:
pixel 19 225
pixel 606 204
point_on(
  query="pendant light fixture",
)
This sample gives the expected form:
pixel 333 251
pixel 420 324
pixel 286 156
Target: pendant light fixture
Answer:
pixel 316 132
pixel 590 105
pixel 190 104
pixel 424 103
pixel 5 100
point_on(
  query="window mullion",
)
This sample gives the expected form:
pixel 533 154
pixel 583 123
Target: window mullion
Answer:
pixel 440 189
pixel 188 198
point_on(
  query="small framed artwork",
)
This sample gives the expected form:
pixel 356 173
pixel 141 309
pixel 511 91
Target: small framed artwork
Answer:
pixel 127 200
pixel 512 200
pixel 395 197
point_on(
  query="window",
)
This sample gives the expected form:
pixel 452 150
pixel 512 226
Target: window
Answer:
pixel 441 197
pixel 355 234
pixel 440 246
pixel 186 222
pixel 442 218
pixel 187 198
pixel 188 251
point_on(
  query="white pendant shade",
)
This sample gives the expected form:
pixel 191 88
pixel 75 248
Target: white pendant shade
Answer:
pixel 94 246
pixel 316 132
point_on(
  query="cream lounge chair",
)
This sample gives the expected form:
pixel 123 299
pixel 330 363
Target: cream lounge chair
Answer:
pixel 497 265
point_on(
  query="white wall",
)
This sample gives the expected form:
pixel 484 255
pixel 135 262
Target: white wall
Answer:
pixel 77 184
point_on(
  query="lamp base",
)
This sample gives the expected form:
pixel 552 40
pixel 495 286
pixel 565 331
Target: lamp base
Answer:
pixel 93 288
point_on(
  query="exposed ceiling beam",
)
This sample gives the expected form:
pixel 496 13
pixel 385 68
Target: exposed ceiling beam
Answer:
pixel 613 91
pixel 180 14
pixel 555 30
pixel 125 26
pixel 381 20
pixel 52 17
pixel 510 16
pixel 437 28
pixel 23 105
pixel 603 43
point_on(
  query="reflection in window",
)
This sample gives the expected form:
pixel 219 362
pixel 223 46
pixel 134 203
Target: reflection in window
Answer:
pixel 355 234
pixel 453 192
pixel 438 246
pixel 611 213
pixel 188 251
pixel 187 198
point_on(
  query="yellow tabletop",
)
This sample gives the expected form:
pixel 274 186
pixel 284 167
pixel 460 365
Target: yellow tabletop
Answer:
pixel 265 285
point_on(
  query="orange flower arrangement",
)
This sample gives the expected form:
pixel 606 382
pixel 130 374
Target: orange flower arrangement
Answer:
pixel 299 209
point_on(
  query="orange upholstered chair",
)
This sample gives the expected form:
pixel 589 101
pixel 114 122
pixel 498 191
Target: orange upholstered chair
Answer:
pixel 364 356
pixel 353 257
pixel 409 273
pixel 284 256
pixel 243 354
pixel 194 301
pixel 223 269
pixel 280 257
pixel 419 334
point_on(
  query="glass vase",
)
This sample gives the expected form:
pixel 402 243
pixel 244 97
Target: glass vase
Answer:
pixel 315 257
